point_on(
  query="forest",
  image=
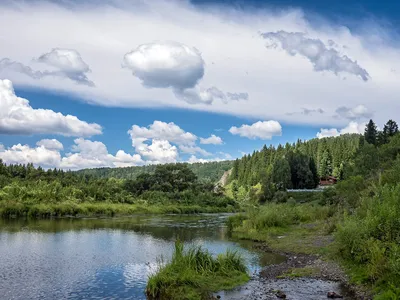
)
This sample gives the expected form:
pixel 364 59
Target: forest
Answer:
pixel 360 215
pixel 205 172
pixel 174 188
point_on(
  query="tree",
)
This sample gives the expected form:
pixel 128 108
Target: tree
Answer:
pixel 267 188
pixel 371 133
pixel 281 175
pixel 389 130
pixel 325 166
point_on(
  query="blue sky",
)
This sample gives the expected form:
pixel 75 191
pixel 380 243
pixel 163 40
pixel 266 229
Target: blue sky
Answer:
pixel 174 73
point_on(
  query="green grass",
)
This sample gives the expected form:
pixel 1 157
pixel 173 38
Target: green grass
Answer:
pixel 299 272
pixel 193 274
pixel 48 210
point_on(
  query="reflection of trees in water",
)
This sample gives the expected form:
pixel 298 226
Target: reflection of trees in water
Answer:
pixel 186 228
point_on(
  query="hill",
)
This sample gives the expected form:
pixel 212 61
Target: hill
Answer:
pixel 210 171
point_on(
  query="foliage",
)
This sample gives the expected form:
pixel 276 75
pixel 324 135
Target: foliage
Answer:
pixel 299 165
pixel 194 273
pixel 205 172
pixel 34 192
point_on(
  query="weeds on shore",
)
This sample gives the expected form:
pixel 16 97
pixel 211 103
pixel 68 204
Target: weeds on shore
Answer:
pixel 194 274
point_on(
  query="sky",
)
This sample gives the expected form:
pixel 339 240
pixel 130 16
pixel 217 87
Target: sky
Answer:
pixel 116 83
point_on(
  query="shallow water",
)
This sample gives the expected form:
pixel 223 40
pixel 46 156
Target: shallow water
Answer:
pixel 103 258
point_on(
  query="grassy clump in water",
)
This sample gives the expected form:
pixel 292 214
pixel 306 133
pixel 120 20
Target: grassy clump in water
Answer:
pixel 194 274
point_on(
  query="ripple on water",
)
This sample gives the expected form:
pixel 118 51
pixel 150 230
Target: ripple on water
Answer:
pixel 100 258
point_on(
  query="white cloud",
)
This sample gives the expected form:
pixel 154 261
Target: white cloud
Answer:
pixel 67 62
pixel 94 154
pixel 234 54
pixel 161 131
pixel 322 57
pixel 18 117
pixel 86 154
pixel 23 154
pixel 159 151
pixel 357 112
pixel 224 156
pixel 327 133
pixel 178 66
pixel 213 140
pixel 166 64
pixel 200 95
pixel 51 144
pixel 262 130
pixel 352 127
pixel 193 150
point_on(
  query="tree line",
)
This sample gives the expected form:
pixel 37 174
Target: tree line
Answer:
pixel 24 186
pixel 205 172
pixel 301 165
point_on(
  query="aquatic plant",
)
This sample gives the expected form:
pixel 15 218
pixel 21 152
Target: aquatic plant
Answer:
pixel 195 273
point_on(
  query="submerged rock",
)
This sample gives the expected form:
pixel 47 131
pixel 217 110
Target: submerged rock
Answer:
pixel 281 295
pixel 333 295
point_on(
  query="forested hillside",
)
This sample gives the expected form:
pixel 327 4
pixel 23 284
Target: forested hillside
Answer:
pixel 298 165
pixel 360 214
pixel 29 191
pixel 210 171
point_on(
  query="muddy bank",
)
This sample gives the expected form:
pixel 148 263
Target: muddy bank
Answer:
pixel 299 277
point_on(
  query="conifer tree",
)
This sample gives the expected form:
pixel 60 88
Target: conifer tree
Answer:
pixel 371 133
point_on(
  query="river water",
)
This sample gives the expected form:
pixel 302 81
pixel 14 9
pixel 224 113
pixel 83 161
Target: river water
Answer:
pixel 108 258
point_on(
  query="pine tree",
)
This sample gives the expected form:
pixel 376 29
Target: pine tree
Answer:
pixel 281 175
pixel 371 133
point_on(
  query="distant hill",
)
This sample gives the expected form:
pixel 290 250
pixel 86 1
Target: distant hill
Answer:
pixel 210 171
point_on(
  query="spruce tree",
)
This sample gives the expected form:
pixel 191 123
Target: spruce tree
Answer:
pixel 371 133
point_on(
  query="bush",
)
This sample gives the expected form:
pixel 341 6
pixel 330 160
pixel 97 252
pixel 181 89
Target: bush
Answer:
pixel 370 237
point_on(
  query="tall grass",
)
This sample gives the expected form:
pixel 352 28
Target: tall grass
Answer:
pixel 194 273
pixel 279 215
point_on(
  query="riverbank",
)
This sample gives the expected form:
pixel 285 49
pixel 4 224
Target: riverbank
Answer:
pixel 308 249
pixel 310 265
pixel 68 209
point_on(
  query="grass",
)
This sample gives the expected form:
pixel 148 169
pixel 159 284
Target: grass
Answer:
pixel 41 211
pixel 193 274
pixel 299 272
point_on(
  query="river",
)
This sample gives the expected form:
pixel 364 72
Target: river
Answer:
pixel 107 258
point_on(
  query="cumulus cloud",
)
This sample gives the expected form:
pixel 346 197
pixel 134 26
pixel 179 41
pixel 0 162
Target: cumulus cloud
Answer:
pixel 85 154
pixel 166 64
pixel 67 62
pixel 159 151
pixel 23 154
pixel 177 66
pixel 18 117
pixel 321 57
pixel 161 131
pixel 352 127
pixel 357 112
pixel 51 144
pixel 213 140
pixel 94 154
pixel 223 156
pixel 264 130
pixel 194 150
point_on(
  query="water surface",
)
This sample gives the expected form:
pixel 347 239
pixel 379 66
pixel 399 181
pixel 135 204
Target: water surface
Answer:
pixel 108 258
